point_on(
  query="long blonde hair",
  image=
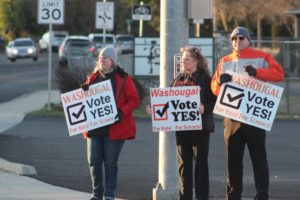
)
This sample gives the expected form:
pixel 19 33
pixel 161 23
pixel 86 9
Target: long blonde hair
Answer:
pixel 98 69
pixel 197 55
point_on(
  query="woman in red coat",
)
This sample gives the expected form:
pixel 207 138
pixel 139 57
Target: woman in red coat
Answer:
pixel 104 144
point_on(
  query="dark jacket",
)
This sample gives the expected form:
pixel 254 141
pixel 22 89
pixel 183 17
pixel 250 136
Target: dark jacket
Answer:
pixel 128 100
pixel 208 99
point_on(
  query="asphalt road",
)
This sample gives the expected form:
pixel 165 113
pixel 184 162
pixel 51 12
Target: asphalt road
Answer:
pixel 59 159
pixel 25 76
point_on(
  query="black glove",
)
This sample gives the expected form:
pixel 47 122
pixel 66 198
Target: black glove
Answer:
pixel 224 78
pixel 119 116
pixel 250 70
pixel 84 86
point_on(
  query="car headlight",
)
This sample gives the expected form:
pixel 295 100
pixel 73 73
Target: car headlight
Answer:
pixel 30 50
pixel 15 51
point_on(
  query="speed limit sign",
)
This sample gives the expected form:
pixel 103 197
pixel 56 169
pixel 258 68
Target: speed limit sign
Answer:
pixel 51 11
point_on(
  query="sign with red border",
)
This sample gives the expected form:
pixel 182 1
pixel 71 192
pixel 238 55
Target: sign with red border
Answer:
pixel 175 108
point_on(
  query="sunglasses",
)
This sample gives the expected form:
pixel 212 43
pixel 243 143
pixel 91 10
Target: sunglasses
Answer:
pixel 240 38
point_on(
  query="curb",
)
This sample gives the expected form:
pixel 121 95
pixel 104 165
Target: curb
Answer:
pixel 16 168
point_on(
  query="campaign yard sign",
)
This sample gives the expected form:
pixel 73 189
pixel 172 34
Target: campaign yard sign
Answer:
pixel 249 100
pixel 91 109
pixel 175 108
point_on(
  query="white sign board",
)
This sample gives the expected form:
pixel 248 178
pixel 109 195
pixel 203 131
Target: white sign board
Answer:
pixel 249 100
pixel 175 108
pixel 147 54
pixel 200 9
pixel 105 15
pixel 198 21
pixel 141 12
pixel 87 110
pixel 51 11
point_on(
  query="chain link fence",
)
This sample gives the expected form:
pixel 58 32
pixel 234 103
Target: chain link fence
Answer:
pixel 82 62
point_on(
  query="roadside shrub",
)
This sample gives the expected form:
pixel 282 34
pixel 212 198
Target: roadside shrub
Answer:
pixel 140 89
pixel 70 79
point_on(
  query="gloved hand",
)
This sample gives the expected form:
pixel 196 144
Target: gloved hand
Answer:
pixel 250 70
pixel 119 116
pixel 84 86
pixel 224 78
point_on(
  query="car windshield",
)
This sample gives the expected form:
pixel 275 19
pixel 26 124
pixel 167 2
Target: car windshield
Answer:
pixel 78 43
pixel 125 39
pixel 99 39
pixel 59 35
pixel 23 43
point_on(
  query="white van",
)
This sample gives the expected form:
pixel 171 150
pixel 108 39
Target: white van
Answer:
pixel 56 39
pixel 97 38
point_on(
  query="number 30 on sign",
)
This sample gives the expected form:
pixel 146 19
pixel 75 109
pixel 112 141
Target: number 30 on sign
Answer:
pixel 51 11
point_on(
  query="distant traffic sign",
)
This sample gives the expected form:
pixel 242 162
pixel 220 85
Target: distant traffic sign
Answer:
pixel 105 15
pixel 51 11
pixel 141 12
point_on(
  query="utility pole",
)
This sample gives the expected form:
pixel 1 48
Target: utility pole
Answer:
pixel 174 32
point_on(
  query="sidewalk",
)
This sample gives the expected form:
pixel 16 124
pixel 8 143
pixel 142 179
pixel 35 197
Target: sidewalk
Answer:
pixel 14 186
pixel 17 187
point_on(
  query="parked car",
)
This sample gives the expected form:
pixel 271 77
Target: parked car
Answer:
pixel 80 47
pixel 57 37
pixel 125 43
pixel 97 38
pixel 21 48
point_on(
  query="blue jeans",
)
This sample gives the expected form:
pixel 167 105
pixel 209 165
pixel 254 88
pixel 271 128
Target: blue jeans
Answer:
pixel 101 150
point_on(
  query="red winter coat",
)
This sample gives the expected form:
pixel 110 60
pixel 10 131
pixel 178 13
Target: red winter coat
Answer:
pixel 127 102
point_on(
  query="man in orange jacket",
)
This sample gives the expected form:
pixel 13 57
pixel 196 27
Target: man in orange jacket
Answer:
pixel 260 65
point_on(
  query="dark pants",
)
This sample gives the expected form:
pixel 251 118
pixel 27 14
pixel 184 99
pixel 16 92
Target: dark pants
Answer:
pixel 193 145
pixel 255 139
pixel 101 150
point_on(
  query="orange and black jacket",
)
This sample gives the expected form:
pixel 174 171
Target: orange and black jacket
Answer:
pixel 267 68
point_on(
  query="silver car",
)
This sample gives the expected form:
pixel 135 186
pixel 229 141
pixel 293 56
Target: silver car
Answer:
pixel 21 48
pixel 78 49
pixel 98 39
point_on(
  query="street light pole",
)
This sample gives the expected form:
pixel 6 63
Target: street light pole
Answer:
pixel 174 31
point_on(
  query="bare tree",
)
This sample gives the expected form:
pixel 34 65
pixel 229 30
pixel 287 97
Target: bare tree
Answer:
pixel 253 12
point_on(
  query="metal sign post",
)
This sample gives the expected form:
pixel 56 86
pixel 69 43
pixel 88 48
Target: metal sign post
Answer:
pixel 49 66
pixel 141 12
pixel 50 12
pixel 141 24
